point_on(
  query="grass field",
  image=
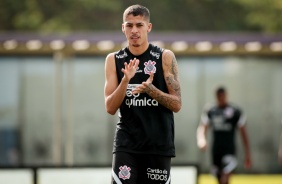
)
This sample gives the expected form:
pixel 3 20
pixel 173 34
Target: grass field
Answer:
pixel 244 179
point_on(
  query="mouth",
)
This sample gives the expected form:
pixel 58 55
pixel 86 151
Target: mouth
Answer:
pixel 135 37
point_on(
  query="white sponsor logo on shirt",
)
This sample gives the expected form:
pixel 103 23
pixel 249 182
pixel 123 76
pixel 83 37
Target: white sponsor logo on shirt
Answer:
pixel 134 100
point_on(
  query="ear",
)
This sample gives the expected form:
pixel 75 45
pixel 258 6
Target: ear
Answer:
pixel 122 28
pixel 150 25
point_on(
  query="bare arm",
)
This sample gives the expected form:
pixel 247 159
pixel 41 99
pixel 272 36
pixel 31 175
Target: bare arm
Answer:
pixel 202 136
pixel 245 140
pixel 114 93
pixel 172 99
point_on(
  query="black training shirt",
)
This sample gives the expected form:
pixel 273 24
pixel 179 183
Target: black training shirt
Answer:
pixel 145 126
pixel 224 122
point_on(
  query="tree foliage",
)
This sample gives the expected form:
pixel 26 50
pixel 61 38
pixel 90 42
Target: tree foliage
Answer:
pixel 265 15
pixel 167 15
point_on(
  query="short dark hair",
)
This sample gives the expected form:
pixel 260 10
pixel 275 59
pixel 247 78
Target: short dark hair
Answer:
pixel 137 10
pixel 220 90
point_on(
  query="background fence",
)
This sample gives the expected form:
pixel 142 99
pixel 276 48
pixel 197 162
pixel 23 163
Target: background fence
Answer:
pixel 52 105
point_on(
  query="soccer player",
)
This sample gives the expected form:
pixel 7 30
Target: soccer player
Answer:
pixel 142 82
pixel 225 119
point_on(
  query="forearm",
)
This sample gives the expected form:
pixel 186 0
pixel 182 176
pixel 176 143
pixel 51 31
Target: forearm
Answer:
pixel 247 148
pixel 169 101
pixel 245 141
pixel 201 134
pixel 114 100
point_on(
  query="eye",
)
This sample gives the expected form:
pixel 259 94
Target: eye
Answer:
pixel 128 25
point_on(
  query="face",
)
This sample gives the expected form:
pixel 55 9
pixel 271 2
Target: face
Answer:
pixel 136 30
pixel 221 99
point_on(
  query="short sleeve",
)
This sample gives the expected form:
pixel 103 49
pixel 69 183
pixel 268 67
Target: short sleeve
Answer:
pixel 204 116
pixel 242 119
pixel 205 119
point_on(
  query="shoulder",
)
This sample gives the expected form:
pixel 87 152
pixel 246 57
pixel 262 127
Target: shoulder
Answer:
pixel 110 57
pixel 110 64
pixel 168 59
pixel 236 109
pixel 118 54
pixel 168 55
pixel 209 107
pixel 205 116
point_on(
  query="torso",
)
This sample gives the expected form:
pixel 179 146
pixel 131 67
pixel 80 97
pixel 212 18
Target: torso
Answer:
pixel 145 126
pixel 224 121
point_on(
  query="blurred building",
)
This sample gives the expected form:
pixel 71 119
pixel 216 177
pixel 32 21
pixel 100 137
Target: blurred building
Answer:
pixel 52 103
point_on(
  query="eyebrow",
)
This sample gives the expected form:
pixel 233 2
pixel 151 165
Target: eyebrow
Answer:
pixel 138 23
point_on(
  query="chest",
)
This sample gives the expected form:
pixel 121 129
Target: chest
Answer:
pixel 223 119
pixel 148 63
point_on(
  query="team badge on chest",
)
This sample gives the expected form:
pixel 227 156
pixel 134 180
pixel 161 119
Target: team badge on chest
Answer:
pixel 150 67
pixel 124 172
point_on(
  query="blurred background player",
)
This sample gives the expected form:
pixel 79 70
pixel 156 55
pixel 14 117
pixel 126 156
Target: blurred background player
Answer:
pixel 224 118
pixel 142 82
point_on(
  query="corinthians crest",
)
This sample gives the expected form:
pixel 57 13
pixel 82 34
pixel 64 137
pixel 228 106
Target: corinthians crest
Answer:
pixel 124 172
pixel 150 67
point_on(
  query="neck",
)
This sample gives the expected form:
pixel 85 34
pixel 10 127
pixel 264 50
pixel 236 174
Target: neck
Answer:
pixel 138 50
pixel 222 104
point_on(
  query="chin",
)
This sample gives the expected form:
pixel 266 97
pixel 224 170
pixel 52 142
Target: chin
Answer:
pixel 136 45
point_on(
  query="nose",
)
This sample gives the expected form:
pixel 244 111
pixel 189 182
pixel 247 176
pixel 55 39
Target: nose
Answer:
pixel 134 29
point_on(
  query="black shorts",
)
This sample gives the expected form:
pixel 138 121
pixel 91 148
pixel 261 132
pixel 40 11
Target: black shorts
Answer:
pixel 129 168
pixel 223 163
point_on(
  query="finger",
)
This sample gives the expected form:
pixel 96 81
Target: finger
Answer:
pixel 136 63
pixel 130 63
pixel 139 87
pixel 136 90
pixel 145 83
pixel 151 78
pixel 133 61
pixel 125 65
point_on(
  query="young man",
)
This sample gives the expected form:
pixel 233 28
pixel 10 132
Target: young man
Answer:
pixel 142 82
pixel 224 118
